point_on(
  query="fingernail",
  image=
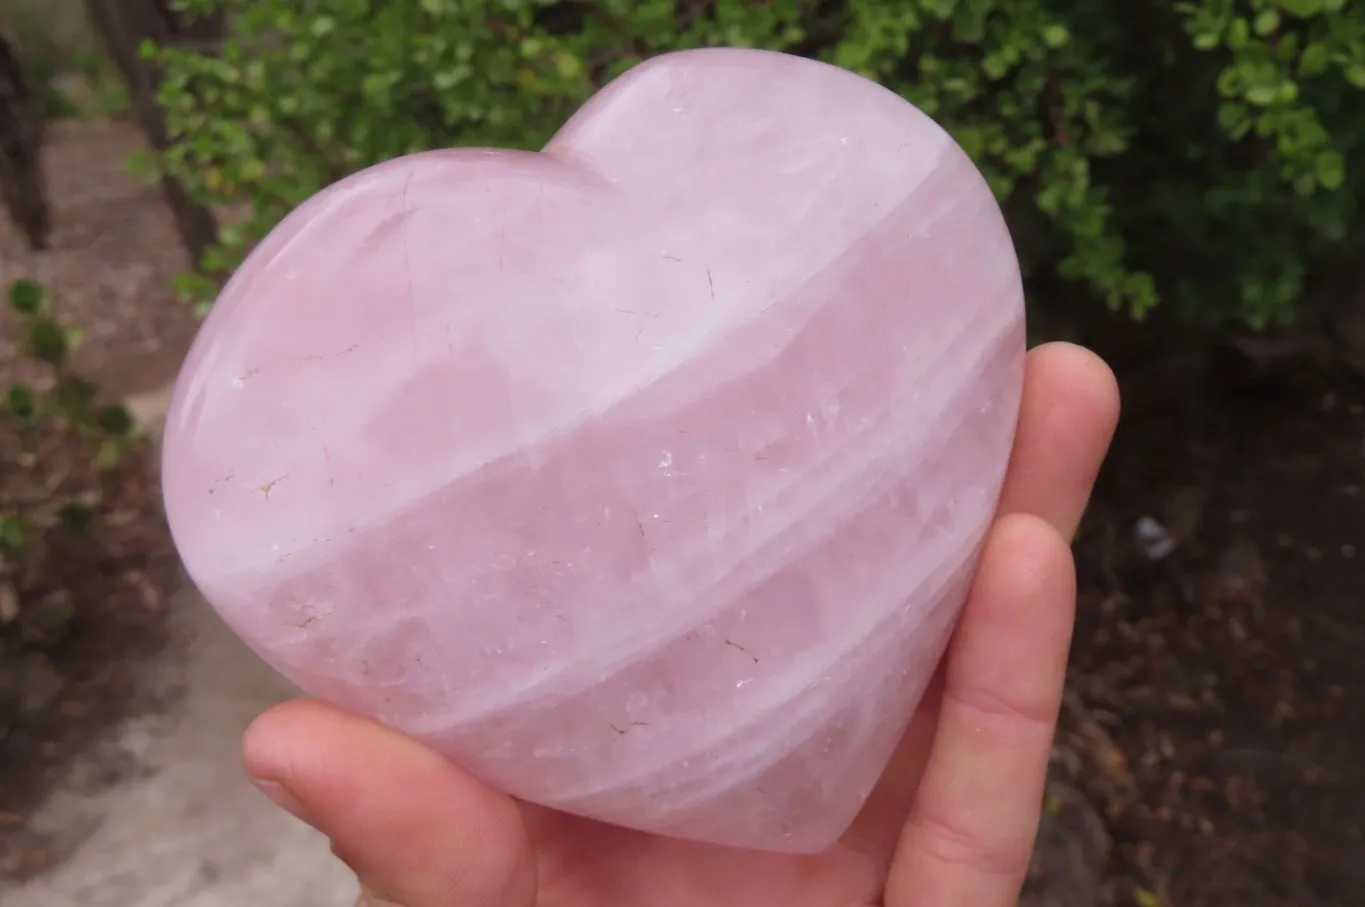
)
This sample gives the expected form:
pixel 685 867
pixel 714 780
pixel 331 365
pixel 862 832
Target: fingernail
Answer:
pixel 281 797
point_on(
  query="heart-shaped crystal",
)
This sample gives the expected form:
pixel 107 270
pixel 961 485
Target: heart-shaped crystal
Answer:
pixel 644 476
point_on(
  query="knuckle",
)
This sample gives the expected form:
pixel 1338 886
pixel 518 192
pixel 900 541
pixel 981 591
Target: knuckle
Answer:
pixel 949 842
pixel 1030 712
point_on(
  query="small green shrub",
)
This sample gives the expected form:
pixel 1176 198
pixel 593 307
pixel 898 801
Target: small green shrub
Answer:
pixel 1207 153
pixel 66 71
pixel 55 442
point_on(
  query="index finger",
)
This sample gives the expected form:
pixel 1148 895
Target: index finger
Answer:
pixel 1067 416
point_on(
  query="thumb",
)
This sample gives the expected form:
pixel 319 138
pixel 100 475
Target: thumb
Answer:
pixel 415 829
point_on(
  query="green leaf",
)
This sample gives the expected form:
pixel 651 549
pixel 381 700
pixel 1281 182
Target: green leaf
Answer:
pixel 1303 9
pixel 1207 40
pixel 48 341
pixel 15 534
pixel 108 455
pixel 27 297
pixel 114 420
pixel 1056 35
pixel 1231 116
pixel 1314 59
pixel 1331 170
pixel 76 517
pixel 21 402
pixel 143 165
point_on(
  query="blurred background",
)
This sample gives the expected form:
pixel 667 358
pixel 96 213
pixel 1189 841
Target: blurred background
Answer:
pixel 1184 181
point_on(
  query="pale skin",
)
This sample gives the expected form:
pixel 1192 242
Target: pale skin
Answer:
pixel 951 824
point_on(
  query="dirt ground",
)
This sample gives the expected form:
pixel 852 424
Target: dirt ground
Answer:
pixel 114 254
pixel 1216 711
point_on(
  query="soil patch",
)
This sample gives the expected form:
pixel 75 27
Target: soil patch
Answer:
pixel 1217 702
pixel 114 255
pixel 70 655
pixel 60 696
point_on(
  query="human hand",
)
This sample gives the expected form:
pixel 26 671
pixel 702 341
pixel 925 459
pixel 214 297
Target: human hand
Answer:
pixel 951 823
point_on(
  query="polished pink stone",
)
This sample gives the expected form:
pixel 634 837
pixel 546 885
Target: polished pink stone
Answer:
pixel 643 476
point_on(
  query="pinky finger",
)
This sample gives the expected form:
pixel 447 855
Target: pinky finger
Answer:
pixel 970 833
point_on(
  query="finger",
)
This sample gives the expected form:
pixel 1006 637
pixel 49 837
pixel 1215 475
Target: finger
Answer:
pixel 969 837
pixel 1067 417
pixel 416 830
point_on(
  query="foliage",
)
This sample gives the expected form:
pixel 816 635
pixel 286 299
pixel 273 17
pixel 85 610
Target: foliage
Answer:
pixel 55 442
pixel 1201 151
pixel 63 64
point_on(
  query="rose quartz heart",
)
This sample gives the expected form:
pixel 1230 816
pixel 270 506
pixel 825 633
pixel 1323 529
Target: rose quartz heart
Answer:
pixel 644 476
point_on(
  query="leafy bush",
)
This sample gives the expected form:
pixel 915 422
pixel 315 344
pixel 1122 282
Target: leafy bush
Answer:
pixel 1205 152
pixel 63 66
pixel 55 444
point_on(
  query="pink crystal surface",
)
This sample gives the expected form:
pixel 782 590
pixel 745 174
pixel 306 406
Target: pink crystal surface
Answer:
pixel 643 476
